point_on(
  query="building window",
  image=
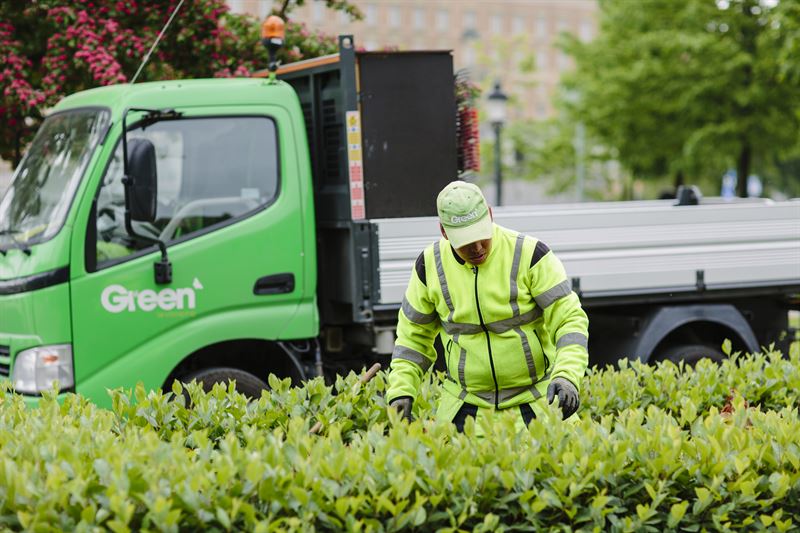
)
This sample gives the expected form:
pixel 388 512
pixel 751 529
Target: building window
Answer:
pixel 318 11
pixel 541 27
pixel 518 56
pixel 563 25
pixel 395 17
pixel 419 18
pixel 237 6
pixel 496 24
pixel 562 61
pixel 442 20
pixel 586 31
pixel 344 18
pixel 518 25
pixel 469 56
pixel 541 93
pixel 542 62
pixel 371 15
pixel 470 20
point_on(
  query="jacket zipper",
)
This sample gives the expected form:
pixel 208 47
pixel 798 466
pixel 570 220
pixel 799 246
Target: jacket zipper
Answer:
pixel 488 341
pixel 447 359
pixel 544 354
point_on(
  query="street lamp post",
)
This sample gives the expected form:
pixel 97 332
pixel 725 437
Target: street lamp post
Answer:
pixel 496 107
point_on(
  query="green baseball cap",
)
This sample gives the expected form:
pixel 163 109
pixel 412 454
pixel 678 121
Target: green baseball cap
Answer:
pixel 464 213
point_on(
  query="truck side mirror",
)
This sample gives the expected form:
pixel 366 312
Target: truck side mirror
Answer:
pixel 141 183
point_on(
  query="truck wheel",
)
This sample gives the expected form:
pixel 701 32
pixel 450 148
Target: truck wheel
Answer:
pixel 246 383
pixel 690 354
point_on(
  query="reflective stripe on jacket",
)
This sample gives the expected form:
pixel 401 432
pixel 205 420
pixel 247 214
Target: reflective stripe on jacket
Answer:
pixel 508 326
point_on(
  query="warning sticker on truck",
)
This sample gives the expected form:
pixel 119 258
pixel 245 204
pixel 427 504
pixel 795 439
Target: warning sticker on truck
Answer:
pixel 355 165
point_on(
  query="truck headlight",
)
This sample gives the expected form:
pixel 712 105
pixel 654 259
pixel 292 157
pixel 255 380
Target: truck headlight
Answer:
pixel 36 369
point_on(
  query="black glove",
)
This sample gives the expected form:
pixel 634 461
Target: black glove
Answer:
pixel 403 406
pixel 567 395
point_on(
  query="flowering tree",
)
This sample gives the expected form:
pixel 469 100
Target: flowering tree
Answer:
pixel 51 48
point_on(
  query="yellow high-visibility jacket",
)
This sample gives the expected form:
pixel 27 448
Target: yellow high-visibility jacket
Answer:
pixel 508 326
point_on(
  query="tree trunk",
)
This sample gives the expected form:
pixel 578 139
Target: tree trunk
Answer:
pixel 749 32
pixel 627 188
pixel 678 180
pixel 282 11
pixel 743 169
pixel 17 148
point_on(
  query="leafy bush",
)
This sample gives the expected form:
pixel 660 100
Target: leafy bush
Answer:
pixel 660 458
pixel 769 381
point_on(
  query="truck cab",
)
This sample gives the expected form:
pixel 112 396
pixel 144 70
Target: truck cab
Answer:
pixel 234 208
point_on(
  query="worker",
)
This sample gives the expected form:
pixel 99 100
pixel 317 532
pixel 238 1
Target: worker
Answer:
pixel 513 331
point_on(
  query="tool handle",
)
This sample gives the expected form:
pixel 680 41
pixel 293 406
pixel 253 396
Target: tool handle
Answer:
pixel 368 375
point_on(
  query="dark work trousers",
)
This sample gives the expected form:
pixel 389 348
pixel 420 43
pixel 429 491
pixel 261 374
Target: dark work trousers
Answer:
pixel 471 410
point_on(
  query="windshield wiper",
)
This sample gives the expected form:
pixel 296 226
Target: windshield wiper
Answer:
pixel 21 245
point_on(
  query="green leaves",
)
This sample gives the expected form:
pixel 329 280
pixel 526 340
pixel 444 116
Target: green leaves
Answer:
pixel 650 452
pixel 770 381
pixel 676 513
pixel 726 347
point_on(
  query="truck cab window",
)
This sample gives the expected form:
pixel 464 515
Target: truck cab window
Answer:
pixel 210 171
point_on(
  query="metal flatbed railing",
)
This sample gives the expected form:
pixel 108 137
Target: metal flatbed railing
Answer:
pixel 635 251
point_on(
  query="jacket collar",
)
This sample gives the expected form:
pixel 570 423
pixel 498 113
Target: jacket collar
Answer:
pixel 456 256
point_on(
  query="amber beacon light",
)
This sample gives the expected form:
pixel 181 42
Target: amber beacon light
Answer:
pixel 273 31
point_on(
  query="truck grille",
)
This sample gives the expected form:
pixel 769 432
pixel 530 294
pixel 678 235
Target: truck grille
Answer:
pixel 5 361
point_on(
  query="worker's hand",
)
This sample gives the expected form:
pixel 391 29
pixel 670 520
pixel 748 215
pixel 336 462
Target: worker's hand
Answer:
pixel 403 406
pixel 567 395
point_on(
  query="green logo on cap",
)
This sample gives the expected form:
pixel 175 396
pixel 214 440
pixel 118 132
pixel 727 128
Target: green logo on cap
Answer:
pixel 461 203
pixel 455 219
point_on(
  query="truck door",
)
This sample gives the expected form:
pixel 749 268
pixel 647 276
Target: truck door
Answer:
pixel 228 210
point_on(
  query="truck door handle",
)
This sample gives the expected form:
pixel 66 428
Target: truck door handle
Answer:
pixel 275 284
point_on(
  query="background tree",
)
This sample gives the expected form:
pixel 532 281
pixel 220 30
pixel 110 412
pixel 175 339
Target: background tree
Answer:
pixel 51 48
pixel 547 152
pixel 690 87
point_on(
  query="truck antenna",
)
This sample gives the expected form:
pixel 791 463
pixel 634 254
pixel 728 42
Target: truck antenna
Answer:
pixel 160 35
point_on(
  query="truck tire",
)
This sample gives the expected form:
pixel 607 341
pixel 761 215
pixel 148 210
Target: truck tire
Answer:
pixel 690 354
pixel 246 383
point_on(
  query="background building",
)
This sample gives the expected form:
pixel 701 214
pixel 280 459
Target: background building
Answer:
pixel 508 40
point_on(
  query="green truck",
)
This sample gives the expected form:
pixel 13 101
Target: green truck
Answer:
pixel 214 254
pixel 259 226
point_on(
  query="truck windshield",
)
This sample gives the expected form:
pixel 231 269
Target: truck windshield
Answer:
pixel 39 197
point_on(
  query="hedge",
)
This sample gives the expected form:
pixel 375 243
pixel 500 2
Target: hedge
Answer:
pixel 650 452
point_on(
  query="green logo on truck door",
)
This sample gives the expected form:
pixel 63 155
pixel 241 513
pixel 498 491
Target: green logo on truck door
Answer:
pixel 116 299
